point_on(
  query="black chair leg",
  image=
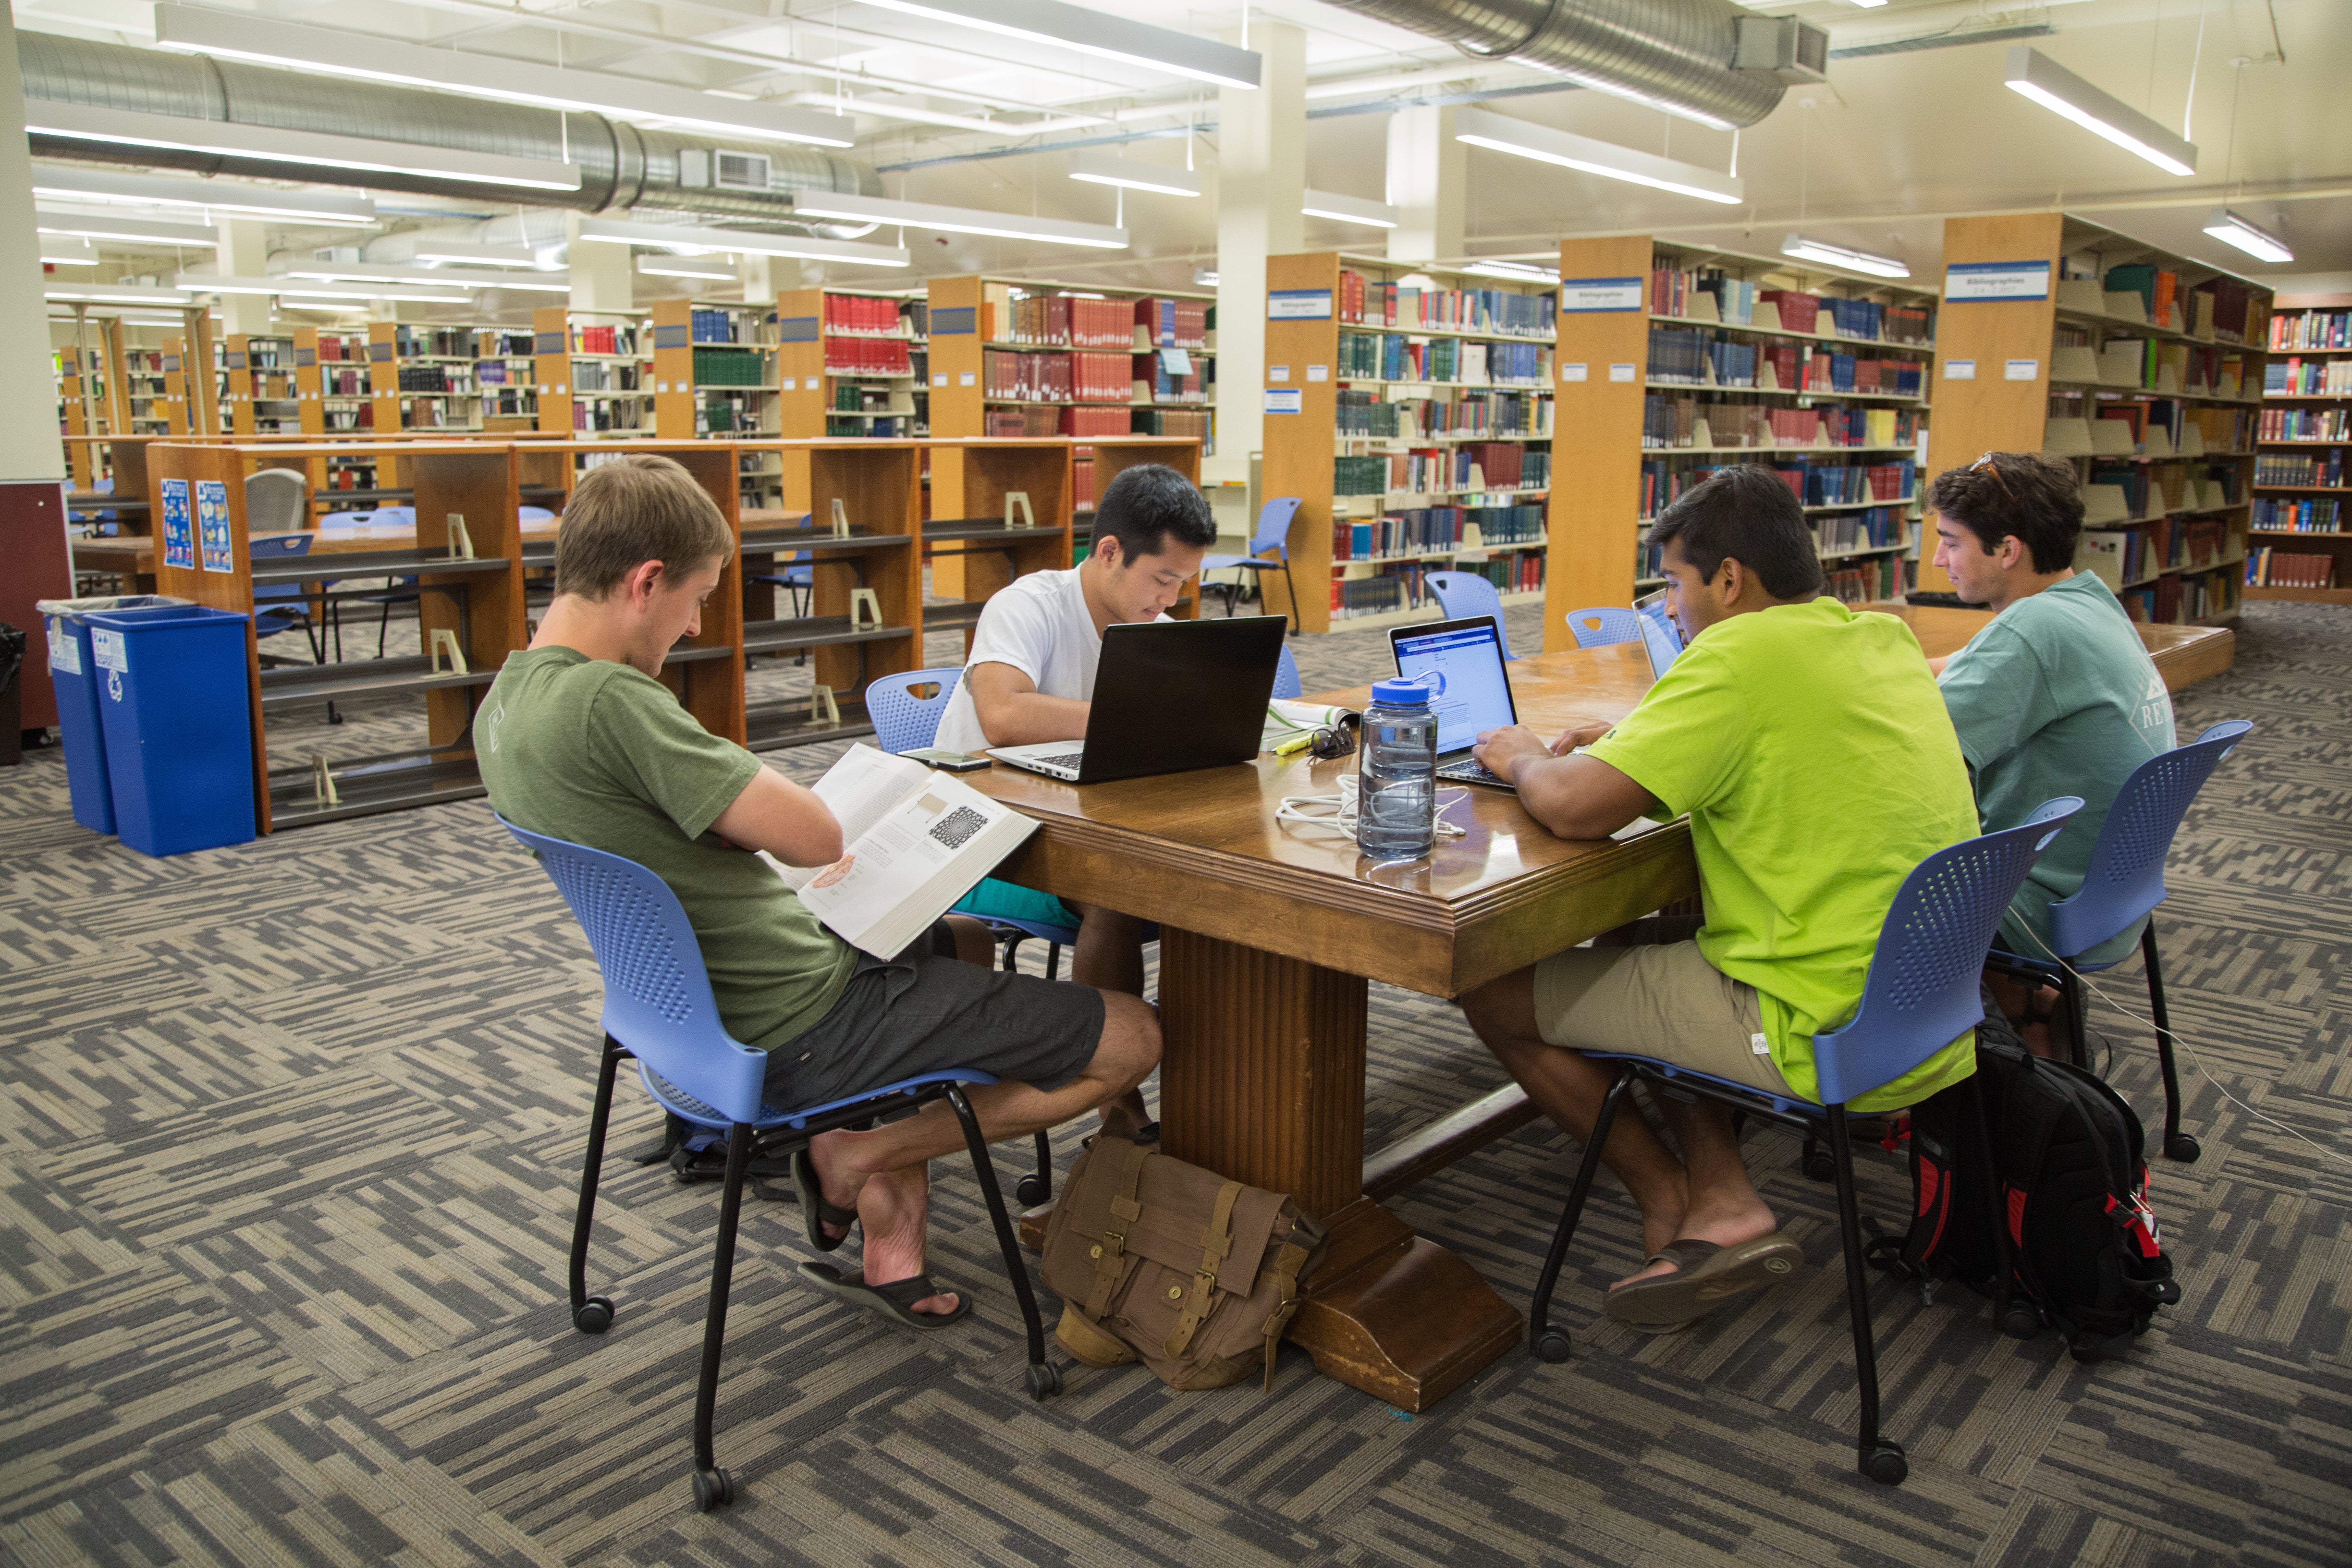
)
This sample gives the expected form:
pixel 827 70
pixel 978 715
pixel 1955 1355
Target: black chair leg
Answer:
pixel 1013 940
pixel 1290 588
pixel 593 1314
pixel 1037 1186
pixel 1550 1343
pixel 1053 961
pixel 1815 1162
pixel 1880 1460
pixel 714 1488
pixel 2070 985
pixel 383 628
pixel 2178 1145
pixel 1044 1378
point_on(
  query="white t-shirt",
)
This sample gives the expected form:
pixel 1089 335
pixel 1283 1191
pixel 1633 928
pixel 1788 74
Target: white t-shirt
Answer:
pixel 1040 626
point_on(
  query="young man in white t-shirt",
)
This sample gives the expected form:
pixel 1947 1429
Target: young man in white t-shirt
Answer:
pixel 1031 676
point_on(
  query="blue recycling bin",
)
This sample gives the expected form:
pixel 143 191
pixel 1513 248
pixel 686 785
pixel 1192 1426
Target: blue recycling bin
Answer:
pixel 79 730
pixel 177 707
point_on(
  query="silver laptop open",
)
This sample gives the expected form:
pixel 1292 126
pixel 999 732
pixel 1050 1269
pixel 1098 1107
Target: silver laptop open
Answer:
pixel 1462 662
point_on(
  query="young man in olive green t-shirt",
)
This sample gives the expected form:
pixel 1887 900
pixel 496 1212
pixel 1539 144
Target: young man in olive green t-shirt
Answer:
pixel 1809 748
pixel 578 739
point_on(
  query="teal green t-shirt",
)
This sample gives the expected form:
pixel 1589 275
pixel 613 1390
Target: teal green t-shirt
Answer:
pixel 1808 745
pixel 598 754
pixel 2056 696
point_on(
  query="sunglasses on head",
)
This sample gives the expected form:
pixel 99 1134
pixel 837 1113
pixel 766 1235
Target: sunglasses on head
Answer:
pixel 1989 465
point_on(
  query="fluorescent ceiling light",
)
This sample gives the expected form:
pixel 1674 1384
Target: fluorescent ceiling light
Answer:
pixel 86 183
pixel 2259 243
pixel 64 250
pixel 1096 169
pixel 899 106
pixel 461 254
pixel 739 242
pixel 687 267
pixel 1204 278
pixel 324 51
pixel 1526 272
pixel 2060 90
pixel 1094 33
pixel 179 133
pixel 1482 128
pixel 143 231
pixel 1350 209
pixel 118 294
pixel 209 283
pixel 957 220
pixel 1804 250
pixel 433 277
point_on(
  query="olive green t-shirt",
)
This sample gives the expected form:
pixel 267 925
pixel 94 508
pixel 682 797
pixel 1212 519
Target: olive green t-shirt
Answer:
pixel 1812 753
pixel 601 755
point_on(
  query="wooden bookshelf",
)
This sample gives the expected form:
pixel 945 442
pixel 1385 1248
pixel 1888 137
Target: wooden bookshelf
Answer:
pixel 2308 375
pixel 587 394
pixel 260 392
pixel 1703 358
pixel 81 412
pixel 2142 368
pixel 1380 427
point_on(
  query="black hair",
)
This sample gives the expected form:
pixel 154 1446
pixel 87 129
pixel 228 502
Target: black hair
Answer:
pixel 1747 514
pixel 1148 503
pixel 2023 494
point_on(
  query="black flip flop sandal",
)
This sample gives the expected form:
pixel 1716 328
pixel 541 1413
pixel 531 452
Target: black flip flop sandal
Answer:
pixel 896 1300
pixel 1705 1274
pixel 815 1213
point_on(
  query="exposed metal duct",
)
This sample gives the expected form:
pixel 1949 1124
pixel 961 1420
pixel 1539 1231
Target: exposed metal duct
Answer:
pixel 622 167
pixel 1675 54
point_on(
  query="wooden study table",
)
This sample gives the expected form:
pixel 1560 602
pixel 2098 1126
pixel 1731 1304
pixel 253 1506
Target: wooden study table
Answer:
pixel 2183 655
pixel 1270 933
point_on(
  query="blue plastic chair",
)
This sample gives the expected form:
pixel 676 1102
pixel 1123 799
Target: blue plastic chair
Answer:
pixel 1604 627
pixel 1272 533
pixel 902 721
pixel 279 607
pixel 2126 881
pixel 659 1010
pixel 1920 994
pixel 1286 683
pixel 1461 595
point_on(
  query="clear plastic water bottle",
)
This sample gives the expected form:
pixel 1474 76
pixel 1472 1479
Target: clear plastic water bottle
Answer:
pixel 1396 773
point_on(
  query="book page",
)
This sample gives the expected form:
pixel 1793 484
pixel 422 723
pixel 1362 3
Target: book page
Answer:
pixel 904 871
pixel 1286 720
pixel 860 790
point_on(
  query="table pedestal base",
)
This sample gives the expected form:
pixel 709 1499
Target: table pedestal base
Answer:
pixel 1398 1315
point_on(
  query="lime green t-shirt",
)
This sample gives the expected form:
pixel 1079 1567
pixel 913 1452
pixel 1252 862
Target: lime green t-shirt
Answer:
pixel 1812 753
pixel 598 754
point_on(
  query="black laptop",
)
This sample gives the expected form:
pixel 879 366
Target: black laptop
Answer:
pixel 1169 696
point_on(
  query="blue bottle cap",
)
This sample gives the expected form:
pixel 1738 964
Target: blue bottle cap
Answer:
pixel 1401 694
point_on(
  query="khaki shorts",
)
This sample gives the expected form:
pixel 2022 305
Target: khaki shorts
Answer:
pixel 1665 1002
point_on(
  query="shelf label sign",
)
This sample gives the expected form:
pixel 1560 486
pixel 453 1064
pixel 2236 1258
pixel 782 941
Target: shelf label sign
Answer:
pixel 1573 370
pixel 1176 362
pixel 1284 400
pixel 2021 370
pixel 212 526
pixel 1621 371
pixel 1589 296
pixel 179 533
pixel 1299 305
pixel 1959 370
pixel 1983 282
pixel 952 320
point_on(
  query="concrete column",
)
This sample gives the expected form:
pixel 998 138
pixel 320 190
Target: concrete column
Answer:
pixel 602 275
pixel 1429 171
pixel 243 253
pixel 28 445
pixel 1261 181
pixel 765 277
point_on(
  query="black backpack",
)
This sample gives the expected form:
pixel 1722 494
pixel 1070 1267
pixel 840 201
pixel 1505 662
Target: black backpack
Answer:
pixel 2087 1258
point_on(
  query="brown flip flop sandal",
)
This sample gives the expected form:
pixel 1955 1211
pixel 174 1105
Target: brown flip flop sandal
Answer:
pixel 1705 1274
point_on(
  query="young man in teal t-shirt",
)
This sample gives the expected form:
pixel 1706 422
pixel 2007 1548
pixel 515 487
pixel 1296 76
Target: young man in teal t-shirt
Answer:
pixel 2056 696
pixel 1808 745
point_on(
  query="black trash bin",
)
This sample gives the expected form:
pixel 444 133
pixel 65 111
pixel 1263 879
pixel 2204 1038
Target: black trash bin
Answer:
pixel 12 696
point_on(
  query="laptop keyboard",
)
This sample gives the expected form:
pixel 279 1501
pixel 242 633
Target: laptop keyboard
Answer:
pixel 1471 771
pixel 1069 760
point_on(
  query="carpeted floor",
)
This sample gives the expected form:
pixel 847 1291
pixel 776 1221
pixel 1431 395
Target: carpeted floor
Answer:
pixel 288 1154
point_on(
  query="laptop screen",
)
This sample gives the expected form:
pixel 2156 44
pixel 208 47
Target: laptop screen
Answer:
pixel 1467 657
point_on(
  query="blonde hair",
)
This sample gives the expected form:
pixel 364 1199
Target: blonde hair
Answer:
pixel 632 509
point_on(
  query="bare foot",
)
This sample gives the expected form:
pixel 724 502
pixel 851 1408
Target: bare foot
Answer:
pixel 894 1208
pixel 1723 1223
pixel 839 1184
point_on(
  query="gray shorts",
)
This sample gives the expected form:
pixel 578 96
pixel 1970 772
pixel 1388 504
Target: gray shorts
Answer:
pixel 927 1010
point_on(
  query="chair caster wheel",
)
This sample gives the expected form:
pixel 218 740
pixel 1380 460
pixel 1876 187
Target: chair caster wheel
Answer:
pixel 1034 1188
pixel 593 1316
pixel 1821 1166
pixel 1886 1465
pixel 2020 1323
pixel 2180 1146
pixel 1552 1346
pixel 1044 1380
pixel 712 1489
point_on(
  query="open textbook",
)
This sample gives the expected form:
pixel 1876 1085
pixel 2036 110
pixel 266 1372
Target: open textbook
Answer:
pixel 918 841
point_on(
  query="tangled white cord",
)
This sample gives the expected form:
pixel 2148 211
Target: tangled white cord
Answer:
pixel 1338 812
pixel 2194 1060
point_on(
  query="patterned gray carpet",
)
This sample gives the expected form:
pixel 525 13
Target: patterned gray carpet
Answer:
pixel 286 1160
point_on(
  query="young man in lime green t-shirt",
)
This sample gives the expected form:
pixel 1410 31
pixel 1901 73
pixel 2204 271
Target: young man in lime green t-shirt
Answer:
pixel 1812 754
